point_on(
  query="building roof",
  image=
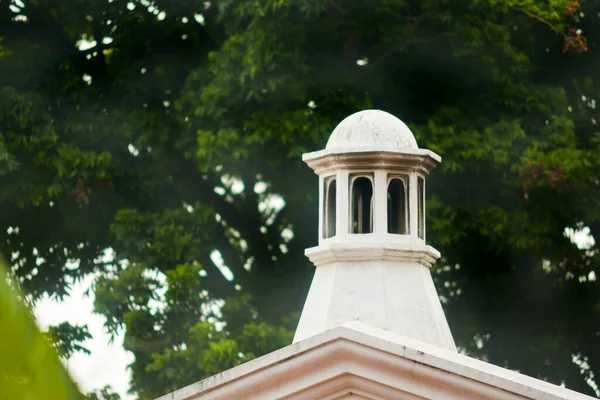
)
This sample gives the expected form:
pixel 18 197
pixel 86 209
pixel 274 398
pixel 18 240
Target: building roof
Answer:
pixel 372 326
pixel 371 127
pixel 364 362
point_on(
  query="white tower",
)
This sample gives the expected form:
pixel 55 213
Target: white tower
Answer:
pixel 372 326
pixel 372 261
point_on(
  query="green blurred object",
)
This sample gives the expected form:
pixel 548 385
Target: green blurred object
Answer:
pixel 29 365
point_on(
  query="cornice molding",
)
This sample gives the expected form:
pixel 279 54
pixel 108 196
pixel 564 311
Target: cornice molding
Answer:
pixel 355 358
pixel 332 252
pixel 372 157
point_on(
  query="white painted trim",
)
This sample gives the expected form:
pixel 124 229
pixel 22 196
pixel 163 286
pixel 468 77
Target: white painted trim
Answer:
pixel 369 149
pixel 419 160
pixel 342 223
pixel 373 362
pixel 380 186
pixel 322 206
pixel 414 207
pixel 424 209
pixel 365 250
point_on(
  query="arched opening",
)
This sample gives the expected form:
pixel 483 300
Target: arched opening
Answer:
pixel 362 205
pixel 397 207
pixel 421 208
pixel 329 207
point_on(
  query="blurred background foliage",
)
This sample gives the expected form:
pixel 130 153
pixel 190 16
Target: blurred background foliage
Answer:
pixel 29 365
pixel 171 132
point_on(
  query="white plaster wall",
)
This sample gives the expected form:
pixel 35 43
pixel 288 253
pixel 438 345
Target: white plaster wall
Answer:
pixel 396 296
pixel 317 301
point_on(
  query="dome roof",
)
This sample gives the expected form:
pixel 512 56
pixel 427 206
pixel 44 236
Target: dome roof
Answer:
pixel 371 128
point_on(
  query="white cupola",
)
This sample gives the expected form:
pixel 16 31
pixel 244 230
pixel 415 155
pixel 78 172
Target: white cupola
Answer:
pixel 372 326
pixel 372 260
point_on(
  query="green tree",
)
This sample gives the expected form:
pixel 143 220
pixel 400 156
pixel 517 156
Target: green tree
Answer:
pixel 69 339
pixel 105 393
pixel 171 132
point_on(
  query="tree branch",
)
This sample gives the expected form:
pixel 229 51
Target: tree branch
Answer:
pixel 538 18
pixel 246 221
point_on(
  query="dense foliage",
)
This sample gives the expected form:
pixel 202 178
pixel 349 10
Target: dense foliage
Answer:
pixel 171 133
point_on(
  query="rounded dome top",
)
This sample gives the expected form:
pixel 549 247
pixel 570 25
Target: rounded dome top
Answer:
pixel 371 127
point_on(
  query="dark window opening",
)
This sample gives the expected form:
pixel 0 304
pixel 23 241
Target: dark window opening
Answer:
pixel 362 205
pixel 421 208
pixel 397 207
pixel 329 208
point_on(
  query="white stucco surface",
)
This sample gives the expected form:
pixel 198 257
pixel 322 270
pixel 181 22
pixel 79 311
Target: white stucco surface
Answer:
pixel 356 359
pixel 379 278
pixel 371 127
pixel 396 296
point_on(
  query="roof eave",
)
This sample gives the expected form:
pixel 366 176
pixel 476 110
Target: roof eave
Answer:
pixel 372 157
pixel 357 357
